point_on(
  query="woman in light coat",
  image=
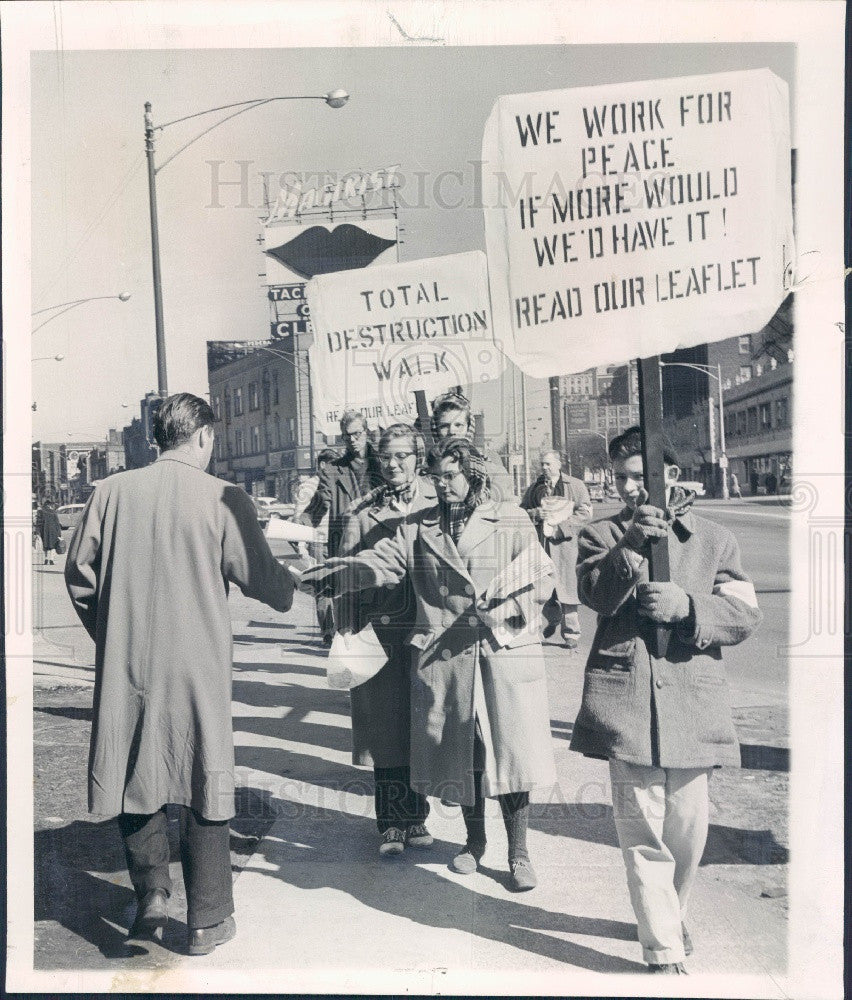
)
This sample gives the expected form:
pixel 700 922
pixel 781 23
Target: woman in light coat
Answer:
pixel 480 721
pixel 381 706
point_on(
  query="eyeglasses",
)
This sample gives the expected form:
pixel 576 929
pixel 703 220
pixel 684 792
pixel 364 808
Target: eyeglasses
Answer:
pixel 353 435
pixel 398 456
pixel 446 477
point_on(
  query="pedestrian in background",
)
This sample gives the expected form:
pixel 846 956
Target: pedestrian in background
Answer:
pixel 735 487
pixel 313 552
pixel 559 506
pixel 49 530
pixel 148 572
pixel 480 721
pixel 663 723
pixel 342 481
pixel 381 706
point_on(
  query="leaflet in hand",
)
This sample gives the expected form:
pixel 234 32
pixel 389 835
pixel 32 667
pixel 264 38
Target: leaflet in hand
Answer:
pixel 354 658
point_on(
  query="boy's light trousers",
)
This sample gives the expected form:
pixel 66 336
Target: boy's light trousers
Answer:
pixel 661 818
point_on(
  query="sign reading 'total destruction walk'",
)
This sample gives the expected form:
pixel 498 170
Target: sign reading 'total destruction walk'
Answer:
pixel 380 333
pixel 630 219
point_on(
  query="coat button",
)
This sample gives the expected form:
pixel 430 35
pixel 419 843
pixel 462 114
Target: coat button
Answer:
pixel 468 589
pixel 659 684
pixel 385 619
pixel 446 654
pixel 443 590
pixel 473 620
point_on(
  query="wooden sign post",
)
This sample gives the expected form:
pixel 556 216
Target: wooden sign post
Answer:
pixel 651 419
pixel 423 416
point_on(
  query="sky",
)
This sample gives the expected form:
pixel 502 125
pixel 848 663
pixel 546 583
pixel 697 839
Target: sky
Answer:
pixel 421 108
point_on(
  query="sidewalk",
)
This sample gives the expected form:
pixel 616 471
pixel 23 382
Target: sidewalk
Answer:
pixel 314 899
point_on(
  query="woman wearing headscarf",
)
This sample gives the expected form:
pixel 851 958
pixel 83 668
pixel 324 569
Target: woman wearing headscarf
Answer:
pixel 49 530
pixel 381 707
pixel 480 722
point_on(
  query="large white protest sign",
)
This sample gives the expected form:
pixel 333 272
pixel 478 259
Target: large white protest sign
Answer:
pixel 380 333
pixel 627 220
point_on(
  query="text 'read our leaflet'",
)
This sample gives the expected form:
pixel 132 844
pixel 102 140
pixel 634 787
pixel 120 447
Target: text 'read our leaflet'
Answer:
pixel 631 219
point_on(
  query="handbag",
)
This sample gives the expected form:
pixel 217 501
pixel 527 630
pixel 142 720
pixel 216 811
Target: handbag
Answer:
pixel 61 547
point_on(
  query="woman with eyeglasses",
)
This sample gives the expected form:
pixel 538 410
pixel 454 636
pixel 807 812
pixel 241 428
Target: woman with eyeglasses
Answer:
pixel 381 707
pixel 480 722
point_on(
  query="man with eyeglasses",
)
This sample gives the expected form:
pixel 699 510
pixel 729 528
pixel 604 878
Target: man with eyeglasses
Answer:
pixel 342 481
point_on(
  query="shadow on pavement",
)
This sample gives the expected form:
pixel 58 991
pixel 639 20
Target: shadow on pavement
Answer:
pixel 78 713
pixel 331 849
pixel 593 823
pixel 764 758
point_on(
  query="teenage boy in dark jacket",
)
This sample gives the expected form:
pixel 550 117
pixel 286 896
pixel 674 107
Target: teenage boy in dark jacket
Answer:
pixel 663 723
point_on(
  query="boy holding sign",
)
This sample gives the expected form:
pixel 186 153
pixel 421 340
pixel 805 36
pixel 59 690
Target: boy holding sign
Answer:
pixel 663 723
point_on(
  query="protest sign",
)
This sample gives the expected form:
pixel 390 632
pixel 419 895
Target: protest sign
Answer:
pixel 383 332
pixel 628 220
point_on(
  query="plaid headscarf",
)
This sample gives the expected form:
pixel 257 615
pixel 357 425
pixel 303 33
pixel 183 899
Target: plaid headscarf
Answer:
pixel 452 401
pixel 455 515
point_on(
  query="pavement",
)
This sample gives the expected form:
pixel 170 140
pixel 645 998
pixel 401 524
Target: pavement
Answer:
pixel 313 900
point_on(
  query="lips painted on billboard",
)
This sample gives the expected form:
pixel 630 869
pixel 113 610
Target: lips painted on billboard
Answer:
pixel 320 250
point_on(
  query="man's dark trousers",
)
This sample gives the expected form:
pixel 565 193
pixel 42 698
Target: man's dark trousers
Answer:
pixel 205 858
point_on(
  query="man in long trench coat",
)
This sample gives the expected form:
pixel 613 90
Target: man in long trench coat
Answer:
pixel 148 571
pixel 559 506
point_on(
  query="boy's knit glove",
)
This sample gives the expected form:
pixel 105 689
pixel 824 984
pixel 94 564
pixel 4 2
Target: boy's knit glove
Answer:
pixel 663 603
pixel 648 523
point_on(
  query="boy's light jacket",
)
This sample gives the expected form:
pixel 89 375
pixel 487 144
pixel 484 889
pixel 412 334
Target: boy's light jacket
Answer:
pixel 671 712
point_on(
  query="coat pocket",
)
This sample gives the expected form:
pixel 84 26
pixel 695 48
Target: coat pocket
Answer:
pixel 616 658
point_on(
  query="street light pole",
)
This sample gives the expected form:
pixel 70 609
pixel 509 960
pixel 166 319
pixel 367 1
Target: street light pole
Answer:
pixel 162 380
pixel 334 99
pixel 723 457
pixel 717 374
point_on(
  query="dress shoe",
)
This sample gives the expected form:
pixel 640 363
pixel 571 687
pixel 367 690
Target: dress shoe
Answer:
pixel 522 877
pixel 418 836
pixel 202 940
pixel 668 969
pixel 151 916
pixel 393 842
pixel 570 640
pixel 467 860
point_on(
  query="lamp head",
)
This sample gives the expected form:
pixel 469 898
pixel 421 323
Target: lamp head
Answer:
pixel 336 99
pixel 124 296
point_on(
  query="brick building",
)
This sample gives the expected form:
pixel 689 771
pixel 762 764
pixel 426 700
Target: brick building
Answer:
pixel 260 396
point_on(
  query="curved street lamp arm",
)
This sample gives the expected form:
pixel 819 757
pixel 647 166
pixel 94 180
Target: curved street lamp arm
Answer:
pixel 687 364
pixel 237 104
pixel 249 106
pixel 64 307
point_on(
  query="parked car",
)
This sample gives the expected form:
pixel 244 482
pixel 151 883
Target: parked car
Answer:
pixel 263 514
pixel 69 515
pixel 274 507
pixel 596 492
